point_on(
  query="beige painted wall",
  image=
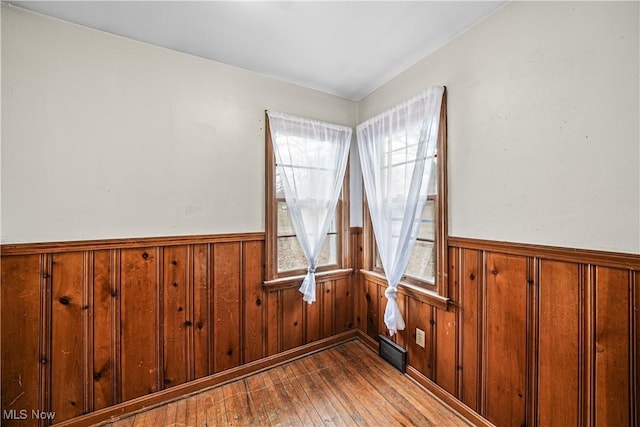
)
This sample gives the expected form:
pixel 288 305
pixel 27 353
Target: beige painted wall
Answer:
pixel 543 124
pixel 105 137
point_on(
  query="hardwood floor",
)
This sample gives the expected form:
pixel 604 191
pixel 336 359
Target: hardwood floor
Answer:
pixel 342 386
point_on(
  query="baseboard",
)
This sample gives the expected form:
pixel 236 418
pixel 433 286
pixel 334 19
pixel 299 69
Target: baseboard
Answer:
pixel 367 340
pixel 447 398
pixel 144 403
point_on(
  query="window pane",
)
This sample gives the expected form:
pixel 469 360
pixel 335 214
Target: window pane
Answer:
pixel 422 264
pixel 291 257
pixel 329 252
pixel 426 230
pixel 279 187
pixel 285 227
pixel 433 181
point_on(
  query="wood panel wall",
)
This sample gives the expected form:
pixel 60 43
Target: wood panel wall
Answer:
pixel 88 325
pixel 532 335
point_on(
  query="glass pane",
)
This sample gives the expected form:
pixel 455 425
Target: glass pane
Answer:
pixel 285 227
pixel 279 187
pixel 433 181
pixel 291 257
pixel 422 264
pixel 426 230
pixel 329 252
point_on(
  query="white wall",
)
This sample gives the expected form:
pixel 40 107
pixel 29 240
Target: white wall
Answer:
pixel 104 137
pixel 543 124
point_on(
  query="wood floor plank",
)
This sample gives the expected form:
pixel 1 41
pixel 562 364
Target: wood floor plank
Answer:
pixel 189 408
pixel 140 420
pixel 407 413
pixel 220 413
pixel 346 385
pixel 295 396
pixel 319 400
pixel 260 395
pixel 236 405
pixel 437 414
pixel 280 403
pixel 356 387
pixel 252 387
pixel 351 398
pixel 202 418
pixel 126 422
pixel 182 418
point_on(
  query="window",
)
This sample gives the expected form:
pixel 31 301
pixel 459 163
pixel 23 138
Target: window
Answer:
pixel 290 257
pixel 284 256
pixel 427 266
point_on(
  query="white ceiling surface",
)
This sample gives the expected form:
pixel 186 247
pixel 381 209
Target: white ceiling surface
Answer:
pixel 343 48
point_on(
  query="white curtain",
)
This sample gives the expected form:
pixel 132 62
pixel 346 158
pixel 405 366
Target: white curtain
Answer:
pixel 397 153
pixel 311 158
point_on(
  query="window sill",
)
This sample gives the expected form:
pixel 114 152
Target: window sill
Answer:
pixel 413 291
pixel 294 281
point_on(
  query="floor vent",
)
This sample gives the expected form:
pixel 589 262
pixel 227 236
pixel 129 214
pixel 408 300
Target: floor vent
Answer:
pixel 393 353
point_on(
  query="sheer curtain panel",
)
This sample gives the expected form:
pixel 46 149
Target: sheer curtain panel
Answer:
pixel 397 153
pixel 311 158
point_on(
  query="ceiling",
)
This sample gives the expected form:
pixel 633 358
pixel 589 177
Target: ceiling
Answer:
pixel 343 48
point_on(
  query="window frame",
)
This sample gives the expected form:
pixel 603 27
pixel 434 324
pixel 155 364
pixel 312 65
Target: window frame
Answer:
pixel 441 286
pixel 271 220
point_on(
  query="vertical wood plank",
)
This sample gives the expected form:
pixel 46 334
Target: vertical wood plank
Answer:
pixel 419 316
pixel 533 341
pixel 67 382
pixel 226 289
pixel 103 339
pixel 470 294
pixel 87 332
pixel 46 323
pixel 202 278
pixel 312 316
pixel 612 373
pixel 588 343
pixel 253 254
pixel 636 359
pixel 371 308
pixel 20 317
pixel 291 318
pixel 343 308
pixel 327 292
pixel 445 346
pixel 357 264
pixel 175 316
pixel 139 331
pixel 506 339
pixel 558 395
pixel 273 320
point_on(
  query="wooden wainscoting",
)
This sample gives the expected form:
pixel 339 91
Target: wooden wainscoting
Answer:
pixel 89 325
pixel 532 335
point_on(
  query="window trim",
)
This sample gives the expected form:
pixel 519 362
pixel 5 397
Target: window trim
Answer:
pixel 271 220
pixel 441 286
